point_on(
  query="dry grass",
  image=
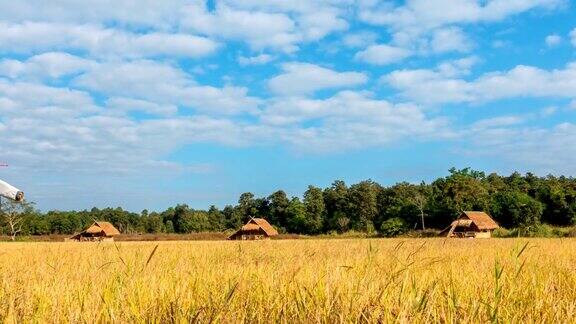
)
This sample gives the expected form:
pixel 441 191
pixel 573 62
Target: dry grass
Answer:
pixel 499 280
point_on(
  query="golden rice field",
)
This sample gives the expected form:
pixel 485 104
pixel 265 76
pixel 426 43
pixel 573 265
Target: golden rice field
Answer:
pixel 292 281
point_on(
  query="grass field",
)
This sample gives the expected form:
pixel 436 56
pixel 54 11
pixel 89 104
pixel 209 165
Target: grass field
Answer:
pixel 395 280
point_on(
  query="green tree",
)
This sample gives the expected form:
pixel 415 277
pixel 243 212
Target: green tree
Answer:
pixel 336 202
pixel 278 208
pixel 516 209
pixel 315 210
pixel 363 205
pixel 296 213
pixel 247 206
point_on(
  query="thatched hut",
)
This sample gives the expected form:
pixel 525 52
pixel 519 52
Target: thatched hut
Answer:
pixel 255 229
pixel 98 231
pixel 471 224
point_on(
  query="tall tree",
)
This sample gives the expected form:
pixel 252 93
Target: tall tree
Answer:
pixel 363 205
pixel 296 212
pixel 315 210
pixel 278 208
pixel 13 214
pixel 336 202
pixel 247 206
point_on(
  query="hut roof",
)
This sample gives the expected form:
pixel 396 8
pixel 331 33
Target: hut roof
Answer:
pixel 462 222
pixel 482 220
pixel 99 226
pixel 250 227
pixel 263 224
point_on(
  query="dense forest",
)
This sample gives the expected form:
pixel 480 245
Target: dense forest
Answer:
pixel 515 201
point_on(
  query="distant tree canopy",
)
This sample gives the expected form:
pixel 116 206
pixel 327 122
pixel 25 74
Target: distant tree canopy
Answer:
pixel 514 201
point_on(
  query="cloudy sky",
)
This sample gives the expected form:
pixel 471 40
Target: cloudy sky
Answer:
pixel 144 104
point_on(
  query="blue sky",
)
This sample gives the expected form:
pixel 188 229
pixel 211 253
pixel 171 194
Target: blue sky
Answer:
pixel 145 104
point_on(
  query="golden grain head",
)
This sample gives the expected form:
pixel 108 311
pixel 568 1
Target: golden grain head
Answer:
pixel 324 281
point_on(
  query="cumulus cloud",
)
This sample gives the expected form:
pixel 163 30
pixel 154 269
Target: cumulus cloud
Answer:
pixel 553 40
pixel 46 65
pixel 35 37
pixel 359 39
pixel 426 14
pixel 383 54
pixel 433 26
pixel 522 81
pixel 305 78
pixel 263 26
pixel 450 40
pixel 351 120
pixel 255 60
pixel 142 13
pixel 130 104
pixel 535 149
pixel 57 129
pixel 458 67
pixel 164 84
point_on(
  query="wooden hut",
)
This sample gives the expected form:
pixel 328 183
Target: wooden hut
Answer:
pixel 471 224
pixel 99 231
pixel 255 229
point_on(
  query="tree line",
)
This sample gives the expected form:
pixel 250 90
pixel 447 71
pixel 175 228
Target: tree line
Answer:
pixel 514 201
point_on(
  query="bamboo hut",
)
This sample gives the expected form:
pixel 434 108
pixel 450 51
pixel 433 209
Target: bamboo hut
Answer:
pixel 98 231
pixel 255 229
pixel 472 224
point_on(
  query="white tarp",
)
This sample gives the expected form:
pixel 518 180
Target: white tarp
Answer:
pixel 10 192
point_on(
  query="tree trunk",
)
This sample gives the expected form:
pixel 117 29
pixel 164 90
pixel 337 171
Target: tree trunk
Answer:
pixel 422 216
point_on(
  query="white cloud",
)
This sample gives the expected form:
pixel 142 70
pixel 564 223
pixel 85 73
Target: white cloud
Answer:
pixel 304 78
pixel 255 60
pixel 534 149
pixel 496 122
pixel 63 130
pixel 359 39
pixel 425 25
pixel 263 26
pixel 142 13
pixel 350 120
pixel 457 67
pixel 34 37
pixel 522 81
pixel 448 40
pixel 383 54
pixel 553 40
pixel 426 14
pixel 166 85
pixel 129 104
pixel 259 29
pixel 276 25
pixel 573 36
pixel 46 65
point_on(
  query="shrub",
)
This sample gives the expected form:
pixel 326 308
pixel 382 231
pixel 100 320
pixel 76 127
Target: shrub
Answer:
pixel 540 230
pixel 393 227
pixel 501 232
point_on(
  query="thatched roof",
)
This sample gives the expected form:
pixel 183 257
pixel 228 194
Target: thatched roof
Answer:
pixel 102 227
pixel 482 220
pixel 462 222
pixel 263 224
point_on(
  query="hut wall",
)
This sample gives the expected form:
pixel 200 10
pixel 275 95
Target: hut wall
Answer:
pixel 250 235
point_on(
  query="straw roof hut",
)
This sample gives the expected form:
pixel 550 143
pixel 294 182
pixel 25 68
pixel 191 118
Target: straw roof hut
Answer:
pixel 471 224
pixel 255 229
pixel 98 231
